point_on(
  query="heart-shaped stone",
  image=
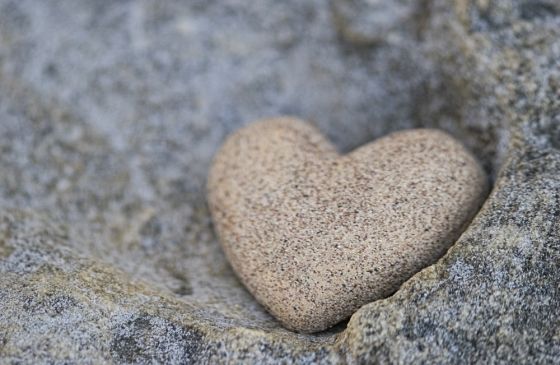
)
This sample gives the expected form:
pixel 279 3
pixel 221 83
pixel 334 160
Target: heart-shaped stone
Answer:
pixel 315 235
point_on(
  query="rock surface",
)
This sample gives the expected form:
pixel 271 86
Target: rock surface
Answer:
pixel 110 112
pixel 314 235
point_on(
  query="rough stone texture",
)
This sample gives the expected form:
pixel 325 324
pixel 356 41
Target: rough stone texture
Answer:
pixel 110 112
pixel 315 235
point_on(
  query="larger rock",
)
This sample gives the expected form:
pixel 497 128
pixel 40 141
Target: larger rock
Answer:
pixel 113 258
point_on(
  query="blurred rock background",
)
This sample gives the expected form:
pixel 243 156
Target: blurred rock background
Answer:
pixel 110 113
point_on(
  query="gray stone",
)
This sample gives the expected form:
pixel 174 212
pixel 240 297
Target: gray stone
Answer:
pixel 110 112
pixel 374 22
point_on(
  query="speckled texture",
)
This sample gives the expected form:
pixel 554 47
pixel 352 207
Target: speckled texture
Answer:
pixel 110 113
pixel 315 235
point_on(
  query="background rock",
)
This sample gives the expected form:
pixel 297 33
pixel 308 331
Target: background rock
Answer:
pixel 111 111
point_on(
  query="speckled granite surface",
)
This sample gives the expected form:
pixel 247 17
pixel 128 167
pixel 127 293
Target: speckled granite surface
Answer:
pixel 314 235
pixel 110 113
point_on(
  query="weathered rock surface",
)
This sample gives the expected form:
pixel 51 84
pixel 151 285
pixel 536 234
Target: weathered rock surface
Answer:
pixel 110 113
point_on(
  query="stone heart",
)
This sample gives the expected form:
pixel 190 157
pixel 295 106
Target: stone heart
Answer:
pixel 315 235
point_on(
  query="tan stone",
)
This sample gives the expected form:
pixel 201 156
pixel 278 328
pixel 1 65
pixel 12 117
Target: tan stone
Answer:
pixel 315 235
